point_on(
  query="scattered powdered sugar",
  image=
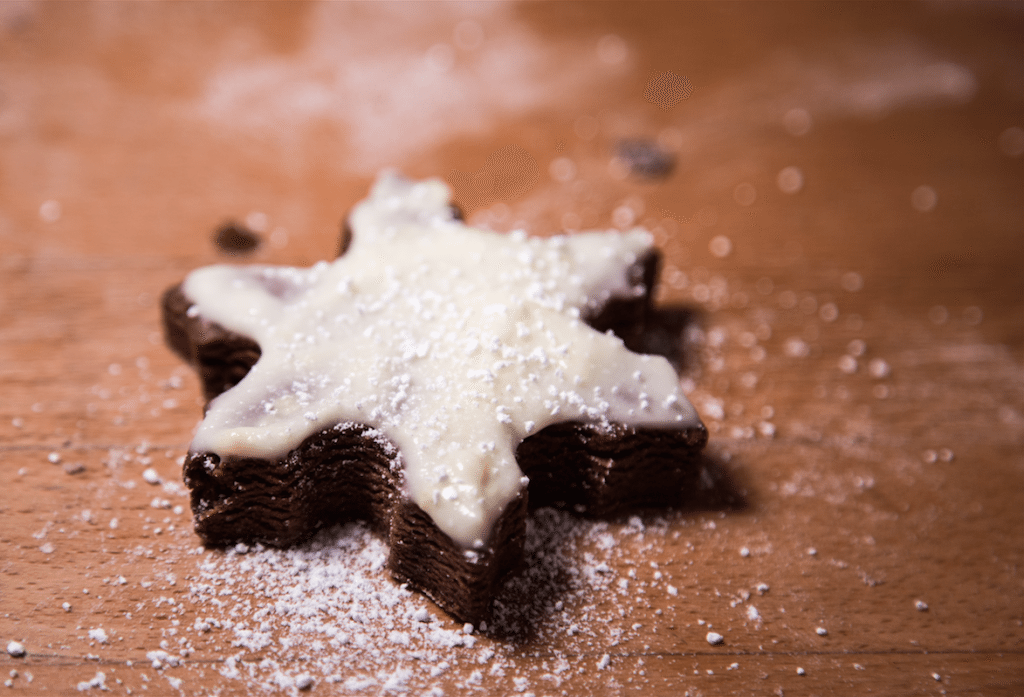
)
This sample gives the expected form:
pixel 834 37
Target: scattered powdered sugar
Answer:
pixel 397 86
pixel 322 604
pixel 99 681
pixel 99 634
pixel 329 612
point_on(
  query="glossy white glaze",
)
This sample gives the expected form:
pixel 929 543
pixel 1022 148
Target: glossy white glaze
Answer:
pixel 454 342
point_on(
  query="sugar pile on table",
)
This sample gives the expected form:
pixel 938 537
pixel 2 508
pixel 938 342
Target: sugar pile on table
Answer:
pixel 328 611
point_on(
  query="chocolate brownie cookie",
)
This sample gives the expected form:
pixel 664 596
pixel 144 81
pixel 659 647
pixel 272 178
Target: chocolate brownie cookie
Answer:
pixel 436 380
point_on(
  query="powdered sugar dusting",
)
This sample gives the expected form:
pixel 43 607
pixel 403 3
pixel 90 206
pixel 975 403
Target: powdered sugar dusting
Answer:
pixel 398 85
pixel 327 611
pixel 320 604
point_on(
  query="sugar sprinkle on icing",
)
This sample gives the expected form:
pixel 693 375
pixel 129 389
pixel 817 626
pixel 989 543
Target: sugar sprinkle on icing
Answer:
pixel 454 342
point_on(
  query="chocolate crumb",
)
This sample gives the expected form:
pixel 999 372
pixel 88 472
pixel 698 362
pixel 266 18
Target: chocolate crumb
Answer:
pixel 645 158
pixel 234 238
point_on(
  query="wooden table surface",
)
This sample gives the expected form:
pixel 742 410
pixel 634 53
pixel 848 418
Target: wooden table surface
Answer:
pixel 842 230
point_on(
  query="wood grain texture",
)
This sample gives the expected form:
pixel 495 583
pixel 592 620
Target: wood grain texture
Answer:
pixel 857 354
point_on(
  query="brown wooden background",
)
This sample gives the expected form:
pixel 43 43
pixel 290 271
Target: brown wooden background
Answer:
pixel 129 132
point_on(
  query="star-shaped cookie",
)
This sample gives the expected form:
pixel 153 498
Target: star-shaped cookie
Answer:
pixel 430 380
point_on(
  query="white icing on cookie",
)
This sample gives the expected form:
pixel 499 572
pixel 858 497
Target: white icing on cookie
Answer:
pixel 454 342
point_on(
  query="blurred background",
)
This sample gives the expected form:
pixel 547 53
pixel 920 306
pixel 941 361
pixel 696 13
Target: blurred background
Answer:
pixel 176 115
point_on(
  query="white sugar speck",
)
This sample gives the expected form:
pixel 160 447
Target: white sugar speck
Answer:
pixel 50 211
pixel 848 364
pixel 99 681
pixel 797 121
pixel 924 199
pixel 851 281
pixel 15 649
pixel 938 314
pixel 821 631
pixel 715 639
pixel 828 312
pixel 1011 141
pixel 790 180
pixel 879 368
pixel 562 169
pixel 623 217
pixel 720 246
pixel 796 347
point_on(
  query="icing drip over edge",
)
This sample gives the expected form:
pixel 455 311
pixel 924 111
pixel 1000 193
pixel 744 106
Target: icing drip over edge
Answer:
pixel 454 342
